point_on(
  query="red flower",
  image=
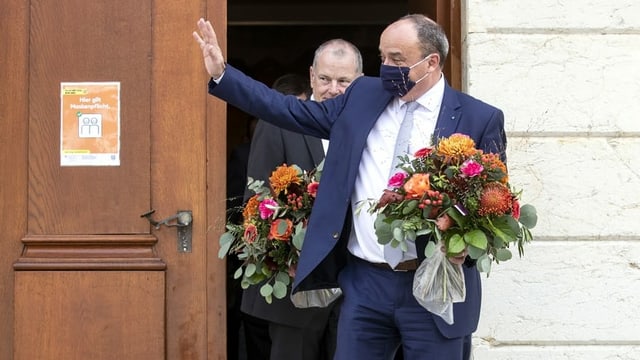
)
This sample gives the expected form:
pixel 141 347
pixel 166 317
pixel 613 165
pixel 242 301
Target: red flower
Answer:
pixel 424 152
pixel 276 233
pixel 312 188
pixel 515 209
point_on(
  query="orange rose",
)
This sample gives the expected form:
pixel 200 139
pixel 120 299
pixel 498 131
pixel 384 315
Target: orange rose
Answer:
pixel 417 186
pixel 281 229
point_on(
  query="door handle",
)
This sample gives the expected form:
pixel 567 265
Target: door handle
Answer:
pixel 182 220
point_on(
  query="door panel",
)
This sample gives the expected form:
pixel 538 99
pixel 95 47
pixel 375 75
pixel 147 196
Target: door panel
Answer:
pixel 95 279
pixel 71 41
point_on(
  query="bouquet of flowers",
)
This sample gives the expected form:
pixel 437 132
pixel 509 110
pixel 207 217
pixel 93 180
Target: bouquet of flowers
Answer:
pixel 461 196
pixel 269 240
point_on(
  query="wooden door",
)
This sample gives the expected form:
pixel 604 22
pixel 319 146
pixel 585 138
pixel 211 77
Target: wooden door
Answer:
pixel 83 275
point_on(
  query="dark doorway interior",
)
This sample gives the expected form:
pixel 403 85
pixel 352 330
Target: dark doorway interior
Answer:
pixel 267 39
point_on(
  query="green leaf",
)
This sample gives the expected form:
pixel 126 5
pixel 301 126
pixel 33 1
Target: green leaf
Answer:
pixel 226 240
pixel 279 290
pixel 528 216
pixel 383 230
pixel 503 254
pixel 244 283
pixel 283 277
pixel 484 264
pixel 456 245
pixel 282 228
pixel 238 273
pixel 398 234
pixel 476 238
pixel 456 216
pixel 430 249
pixel 505 228
pixel 298 236
pixel 475 253
pixel 409 207
pixel 250 270
pixel 266 290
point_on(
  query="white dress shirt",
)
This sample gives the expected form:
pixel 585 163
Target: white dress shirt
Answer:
pixel 375 167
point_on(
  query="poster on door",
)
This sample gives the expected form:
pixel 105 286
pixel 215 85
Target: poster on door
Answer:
pixel 90 124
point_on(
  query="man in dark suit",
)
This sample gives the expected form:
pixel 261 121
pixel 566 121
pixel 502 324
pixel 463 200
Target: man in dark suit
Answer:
pixel 379 312
pixel 293 333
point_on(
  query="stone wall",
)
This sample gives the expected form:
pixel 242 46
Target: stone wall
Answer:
pixel 567 76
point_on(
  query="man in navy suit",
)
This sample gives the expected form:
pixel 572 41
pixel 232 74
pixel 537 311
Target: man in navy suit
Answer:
pixel 379 312
pixel 280 330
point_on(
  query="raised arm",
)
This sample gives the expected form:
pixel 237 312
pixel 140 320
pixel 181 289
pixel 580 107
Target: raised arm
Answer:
pixel 211 52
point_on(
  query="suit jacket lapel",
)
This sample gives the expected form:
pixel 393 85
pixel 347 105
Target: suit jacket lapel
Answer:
pixel 315 149
pixel 450 113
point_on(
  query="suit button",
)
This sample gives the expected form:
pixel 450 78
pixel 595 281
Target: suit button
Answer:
pixel 336 235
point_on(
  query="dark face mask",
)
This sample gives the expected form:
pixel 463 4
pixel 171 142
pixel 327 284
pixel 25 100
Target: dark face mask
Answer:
pixel 395 79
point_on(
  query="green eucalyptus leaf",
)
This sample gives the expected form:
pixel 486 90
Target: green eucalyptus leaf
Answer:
pixel 383 230
pixel 484 264
pixel 503 254
pixel 250 270
pixel 283 277
pixel 456 244
pixel 244 283
pixel 398 234
pixel 226 240
pixel 279 290
pixel 475 253
pixel 430 249
pixel 528 216
pixel 298 236
pixel 238 273
pixel 266 290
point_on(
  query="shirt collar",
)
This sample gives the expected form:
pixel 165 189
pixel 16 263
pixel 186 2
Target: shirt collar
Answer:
pixel 432 99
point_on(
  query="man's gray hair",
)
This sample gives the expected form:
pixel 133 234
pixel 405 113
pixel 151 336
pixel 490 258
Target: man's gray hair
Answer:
pixel 432 37
pixel 340 48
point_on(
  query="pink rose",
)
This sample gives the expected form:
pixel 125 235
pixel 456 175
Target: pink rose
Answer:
pixel 471 168
pixel 397 180
pixel 267 207
pixel 312 188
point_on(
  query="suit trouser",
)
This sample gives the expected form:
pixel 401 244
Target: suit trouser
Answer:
pixel 380 314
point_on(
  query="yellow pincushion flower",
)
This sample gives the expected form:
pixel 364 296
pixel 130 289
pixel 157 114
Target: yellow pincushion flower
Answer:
pixel 456 148
pixel 282 177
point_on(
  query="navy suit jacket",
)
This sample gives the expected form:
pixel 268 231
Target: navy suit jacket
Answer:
pixel 346 120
